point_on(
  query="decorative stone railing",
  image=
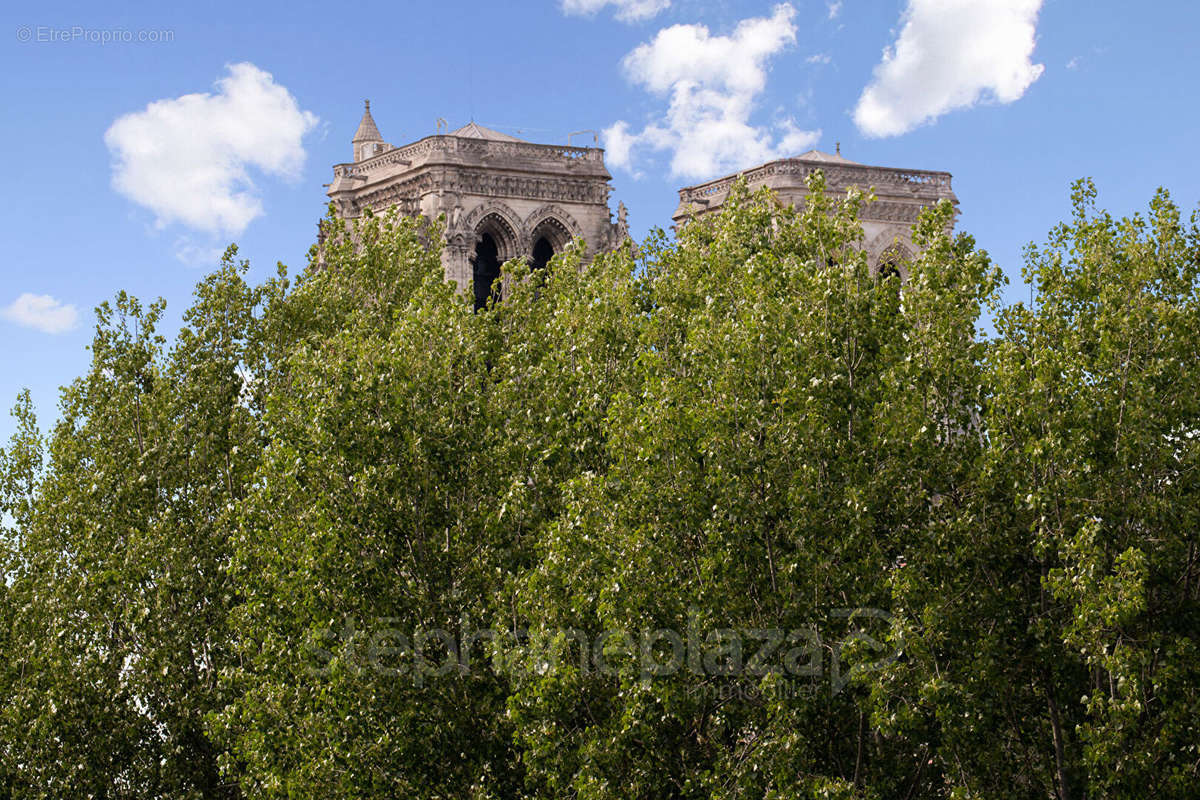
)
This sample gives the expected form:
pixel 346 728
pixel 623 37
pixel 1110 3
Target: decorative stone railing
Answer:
pixel 446 145
pixel 838 177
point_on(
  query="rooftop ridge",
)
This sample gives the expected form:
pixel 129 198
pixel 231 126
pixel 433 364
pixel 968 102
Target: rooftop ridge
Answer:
pixel 473 130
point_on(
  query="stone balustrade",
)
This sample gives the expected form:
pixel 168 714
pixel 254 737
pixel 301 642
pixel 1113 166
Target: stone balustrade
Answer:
pixel 457 148
pixel 839 177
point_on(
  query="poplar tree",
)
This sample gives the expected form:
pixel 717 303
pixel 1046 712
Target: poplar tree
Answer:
pixel 118 583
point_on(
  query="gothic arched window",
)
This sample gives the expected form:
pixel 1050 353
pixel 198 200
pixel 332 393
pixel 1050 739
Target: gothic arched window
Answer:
pixel 487 271
pixel 543 251
pixel 893 261
pixel 887 269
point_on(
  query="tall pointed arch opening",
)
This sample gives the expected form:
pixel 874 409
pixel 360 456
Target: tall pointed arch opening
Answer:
pixel 495 243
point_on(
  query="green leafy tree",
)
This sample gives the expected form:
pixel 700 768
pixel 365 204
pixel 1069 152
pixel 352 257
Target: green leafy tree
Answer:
pixel 119 581
pixel 417 453
pixel 20 470
pixel 792 418
pixel 1105 483
pixel 1050 611
pixel 366 528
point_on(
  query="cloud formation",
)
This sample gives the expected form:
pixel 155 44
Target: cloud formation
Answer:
pixel 950 54
pixel 712 83
pixel 41 312
pixel 189 159
pixel 627 10
pixel 198 253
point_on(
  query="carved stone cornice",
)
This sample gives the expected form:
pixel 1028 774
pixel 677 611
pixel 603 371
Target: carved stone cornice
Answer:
pixel 493 183
pixel 405 194
pixel 407 190
pixel 886 211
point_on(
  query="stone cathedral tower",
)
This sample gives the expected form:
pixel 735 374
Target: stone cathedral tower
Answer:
pixel 901 194
pixel 503 197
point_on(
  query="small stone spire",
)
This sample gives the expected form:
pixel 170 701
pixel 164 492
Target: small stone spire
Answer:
pixel 366 135
pixel 367 132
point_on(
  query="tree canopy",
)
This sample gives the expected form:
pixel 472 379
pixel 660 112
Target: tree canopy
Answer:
pixel 722 515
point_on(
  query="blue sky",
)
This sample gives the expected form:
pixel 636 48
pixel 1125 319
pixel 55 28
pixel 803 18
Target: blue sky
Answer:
pixel 118 180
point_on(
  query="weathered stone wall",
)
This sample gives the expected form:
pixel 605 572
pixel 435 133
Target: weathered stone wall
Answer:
pixel 900 196
pixel 482 182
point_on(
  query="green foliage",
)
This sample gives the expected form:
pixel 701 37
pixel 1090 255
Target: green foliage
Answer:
pixel 118 585
pixel 792 416
pixel 1106 477
pixel 348 538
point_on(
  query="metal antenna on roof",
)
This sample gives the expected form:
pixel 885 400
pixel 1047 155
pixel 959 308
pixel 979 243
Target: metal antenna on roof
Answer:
pixel 595 136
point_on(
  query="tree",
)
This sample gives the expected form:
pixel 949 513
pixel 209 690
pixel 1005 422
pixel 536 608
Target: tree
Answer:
pixel 119 584
pixel 1104 474
pixel 20 469
pixel 1050 611
pixel 792 418
pixel 363 527
pixel 417 453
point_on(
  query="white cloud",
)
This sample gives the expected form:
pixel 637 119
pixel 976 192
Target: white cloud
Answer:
pixel 950 54
pixel 188 159
pixel 618 146
pixel 835 8
pixel 1074 63
pixel 627 10
pixel 198 254
pixel 712 83
pixel 41 312
pixel 819 58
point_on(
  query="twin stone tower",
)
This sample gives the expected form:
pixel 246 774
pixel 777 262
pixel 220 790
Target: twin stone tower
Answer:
pixel 505 198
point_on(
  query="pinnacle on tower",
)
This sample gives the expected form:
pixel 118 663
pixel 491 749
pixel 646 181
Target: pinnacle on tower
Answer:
pixel 366 135
pixel 367 132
